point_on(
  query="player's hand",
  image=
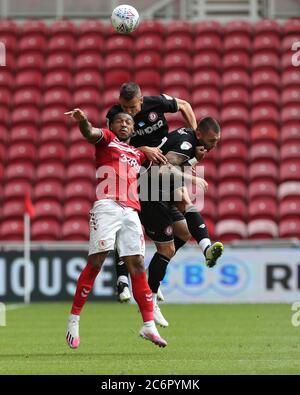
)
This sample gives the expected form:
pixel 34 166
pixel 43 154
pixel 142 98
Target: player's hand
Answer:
pixel 77 114
pixel 200 153
pixel 200 182
pixel 154 155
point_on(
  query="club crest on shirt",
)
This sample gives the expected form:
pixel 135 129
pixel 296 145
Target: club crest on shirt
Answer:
pixel 186 146
pixel 152 116
pixel 169 230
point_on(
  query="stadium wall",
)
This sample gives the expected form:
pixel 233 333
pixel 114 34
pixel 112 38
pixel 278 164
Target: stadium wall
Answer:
pixel 243 275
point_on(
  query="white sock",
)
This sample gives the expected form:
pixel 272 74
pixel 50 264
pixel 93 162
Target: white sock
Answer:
pixel 122 279
pixel 204 243
pixel 74 317
pixel 154 297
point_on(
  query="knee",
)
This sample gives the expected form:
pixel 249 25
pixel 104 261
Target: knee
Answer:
pixel 167 250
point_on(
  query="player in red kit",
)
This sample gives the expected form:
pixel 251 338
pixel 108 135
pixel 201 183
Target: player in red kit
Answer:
pixel 114 220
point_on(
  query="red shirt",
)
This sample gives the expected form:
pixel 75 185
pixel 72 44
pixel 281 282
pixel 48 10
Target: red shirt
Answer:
pixel 117 165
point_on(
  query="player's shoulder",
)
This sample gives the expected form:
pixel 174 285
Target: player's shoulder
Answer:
pixel 183 132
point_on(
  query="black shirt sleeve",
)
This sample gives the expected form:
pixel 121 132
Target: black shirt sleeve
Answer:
pixel 161 104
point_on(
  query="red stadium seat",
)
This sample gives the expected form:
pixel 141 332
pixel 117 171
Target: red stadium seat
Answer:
pixel 289 190
pixel 179 60
pixel 205 60
pixel 110 97
pixel 87 79
pixel 32 42
pixel 210 169
pixel 236 59
pixel 54 114
pixel 265 130
pixel 118 61
pixel 28 78
pixel 34 26
pixel 264 150
pixel 232 150
pixel 51 171
pixel 52 152
pixel 267 76
pixel 289 151
pixel 291 96
pixel 209 95
pixel 289 227
pixel 266 26
pixel 32 60
pixel 62 26
pixel 235 95
pixel 119 44
pixel 148 78
pixel 77 209
pixel 235 113
pixel 59 79
pixel 290 113
pixel 178 27
pixel 265 95
pixel 5 97
pixel 179 92
pixel 148 42
pixel 262 188
pixel 47 230
pixel 290 171
pixel 8 26
pixel 24 151
pixel 178 42
pixel 25 114
pixel 3 134
pixel 27 96
pixel 263 169
pixel 291 26
pixel 235 169
pixel 16 189
pixel 48 209
pixel 92 112
pixel 13 209
pixel 208 41
pixel 118 77
pixel 49 189
pixel 81 151
pixel 238 26
pixel 82 189
pixel 205 78
pixel 90 42
pixel 263 208
pixel 175 79
pixel 237 41
pixel 6 79
pixel 91 26
pixel 235 77
pixel 207 208
pixel 149 26
pixel 235 131
pixel 56 133
pixel 232 188
pixel 208 110
pixel 12 230
pixel 4 116
pixel 20 134
pixel 147 60
pixel 265 59
pixel 264 112
pixel 86 97
pixel 286 62
pixel 75 135
pixel 60 60
pixel 89 61
pixel 20 171
pixel 57 96
pixel 290 78
pixel 77 229
pixel 262 229
pixel 61 42
pixel 232 208
pixel 231 229
pixel 288 41
pixel 267 41
pixel 290 132
pixel 81 171
pixel 289 209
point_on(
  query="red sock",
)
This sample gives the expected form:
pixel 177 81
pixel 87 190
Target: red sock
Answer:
pixel 84 285
pixel 143 295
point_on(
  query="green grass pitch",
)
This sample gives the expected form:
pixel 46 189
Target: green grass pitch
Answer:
pixel 203 339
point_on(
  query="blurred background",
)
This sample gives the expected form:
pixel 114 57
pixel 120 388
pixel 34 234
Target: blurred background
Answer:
pixel 234 60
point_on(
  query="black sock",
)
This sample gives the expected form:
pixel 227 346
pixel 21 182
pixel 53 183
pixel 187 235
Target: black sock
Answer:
pixel 121 269
pixel 157 270
pixel 196 225
pixel 178 243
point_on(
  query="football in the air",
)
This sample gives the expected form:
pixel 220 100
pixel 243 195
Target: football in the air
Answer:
pixel 125 19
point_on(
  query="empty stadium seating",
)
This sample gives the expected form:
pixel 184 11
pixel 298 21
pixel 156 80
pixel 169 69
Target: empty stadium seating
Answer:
pixel 238 72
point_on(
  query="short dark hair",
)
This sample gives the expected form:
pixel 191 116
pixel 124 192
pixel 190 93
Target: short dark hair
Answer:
pixel 112 119
pixel 208 123
pixel 129 90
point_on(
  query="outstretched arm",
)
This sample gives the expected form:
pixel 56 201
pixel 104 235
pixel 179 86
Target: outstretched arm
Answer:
pixel 91 134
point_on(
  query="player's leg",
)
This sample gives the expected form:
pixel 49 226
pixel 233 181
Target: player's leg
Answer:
pixel 131 247
pixel 124 294
pixel 197 228
pixel 104 224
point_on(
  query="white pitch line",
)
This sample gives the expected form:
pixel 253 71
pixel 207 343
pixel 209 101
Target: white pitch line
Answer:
pixel 16 306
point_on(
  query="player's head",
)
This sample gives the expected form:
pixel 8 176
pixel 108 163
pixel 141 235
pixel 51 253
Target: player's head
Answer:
pixel 131 98
pixel 208 132
pixel 122 126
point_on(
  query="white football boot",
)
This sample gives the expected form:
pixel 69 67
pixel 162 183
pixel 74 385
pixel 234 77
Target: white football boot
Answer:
pixel 72 336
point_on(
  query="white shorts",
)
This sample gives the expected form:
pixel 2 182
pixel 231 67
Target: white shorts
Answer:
pixel 115 226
